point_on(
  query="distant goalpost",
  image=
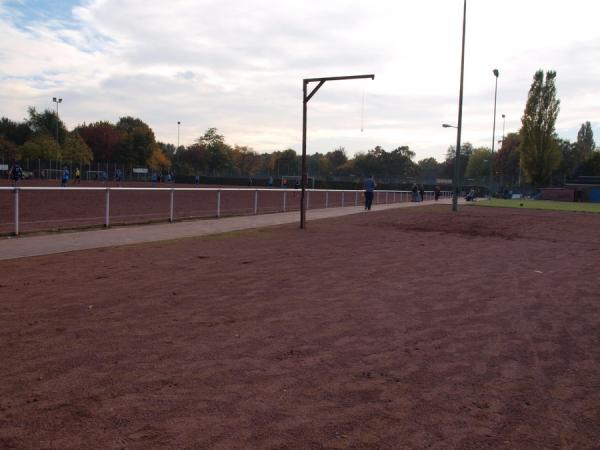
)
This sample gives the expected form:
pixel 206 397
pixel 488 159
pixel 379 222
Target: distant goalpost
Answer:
pixel 291 181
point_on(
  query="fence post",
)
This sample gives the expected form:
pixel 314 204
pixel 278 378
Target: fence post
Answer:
pixel 343 198
pixel 171 213
pixel 107 210
pixel 256 202
pixel 284 196
pixel 218 202
pixel 16 211
pixel 326 199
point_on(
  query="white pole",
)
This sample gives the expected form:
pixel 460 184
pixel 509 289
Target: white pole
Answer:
pixel 171 214
pixel 16 211
pixel 219 203
pixel 256 202
pixel 107 209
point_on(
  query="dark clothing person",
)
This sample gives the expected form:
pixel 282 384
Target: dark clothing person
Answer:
pixel 415 193
pixel 436 193
pixel 369 192
pixel 422 192
pixel 15 174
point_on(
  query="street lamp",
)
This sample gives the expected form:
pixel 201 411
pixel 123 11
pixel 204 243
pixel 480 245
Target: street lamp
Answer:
pixel 503 125
pixel 456 180
pixel 445 125
pixel 178 123
pixel 496 74
pixel 57 101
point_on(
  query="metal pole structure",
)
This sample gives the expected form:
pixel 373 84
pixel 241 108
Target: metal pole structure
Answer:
pixel 456 180
pixel 496 74
pixel 16 211
pixel 107 209
pixel 171 209
pixel 503 127
pixel 178 124
pixel 305 99
pixel 57 101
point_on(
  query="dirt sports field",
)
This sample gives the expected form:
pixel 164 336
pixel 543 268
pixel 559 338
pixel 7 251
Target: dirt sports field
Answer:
pixel 71 209
pixel 404 329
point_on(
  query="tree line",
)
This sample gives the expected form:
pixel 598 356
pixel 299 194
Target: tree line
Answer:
pixel 534 155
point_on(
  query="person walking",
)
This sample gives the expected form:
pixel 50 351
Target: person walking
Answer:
pixel 436 193
pixel 422 193
pixel 65 177
pixel 415 193
pixel 15 174
pixel 77 178
pixel 369 192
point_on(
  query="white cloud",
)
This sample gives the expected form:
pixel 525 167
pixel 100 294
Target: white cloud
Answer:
pixel 238 65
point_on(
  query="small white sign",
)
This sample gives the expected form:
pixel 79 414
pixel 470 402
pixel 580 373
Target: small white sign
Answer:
pixel 140 170
pixel 3 166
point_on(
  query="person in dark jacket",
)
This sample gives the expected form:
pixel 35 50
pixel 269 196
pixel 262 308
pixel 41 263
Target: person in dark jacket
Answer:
pixel 369 192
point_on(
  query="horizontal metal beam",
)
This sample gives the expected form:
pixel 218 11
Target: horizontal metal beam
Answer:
pixel 350 77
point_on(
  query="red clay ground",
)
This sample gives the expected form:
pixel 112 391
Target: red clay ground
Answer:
pixel 69 209
pixel 409 328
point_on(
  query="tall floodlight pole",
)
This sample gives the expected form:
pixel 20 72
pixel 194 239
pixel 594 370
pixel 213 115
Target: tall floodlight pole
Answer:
pixel 503 127
pixel 305 99
pixel 496 74
pixel 57 101
pixel 456 181
pixel 178 124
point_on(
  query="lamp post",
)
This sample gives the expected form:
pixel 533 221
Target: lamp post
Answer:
pixel 503 126
pixel 305 99
pixel 496 74
pixel 178 124
pixel 456 179
pixel 57 101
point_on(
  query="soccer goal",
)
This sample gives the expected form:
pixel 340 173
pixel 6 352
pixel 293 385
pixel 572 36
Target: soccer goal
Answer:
pixel 294 181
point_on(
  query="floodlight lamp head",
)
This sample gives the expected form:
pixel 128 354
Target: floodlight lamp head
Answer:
pixel 445 125
pixel 53 99
pixel 496 73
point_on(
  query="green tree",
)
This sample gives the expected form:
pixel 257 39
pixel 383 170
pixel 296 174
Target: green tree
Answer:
pixel 585 141
pixel 246 160
pixel 465 153
pixel 539 150
pixel 46 123
pixel 41 146
pixel 429 169
pixel 478 167
pixel 508 159
pixel 17 133
pixel 137 142
pixel 219 153
pixel 336 159
pixel 75 149
pixel 591 166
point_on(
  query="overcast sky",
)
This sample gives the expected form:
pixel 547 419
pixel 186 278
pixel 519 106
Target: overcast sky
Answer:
pixel 238 65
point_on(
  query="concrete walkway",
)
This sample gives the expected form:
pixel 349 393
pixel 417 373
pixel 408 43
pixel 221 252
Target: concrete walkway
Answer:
pixel 48 244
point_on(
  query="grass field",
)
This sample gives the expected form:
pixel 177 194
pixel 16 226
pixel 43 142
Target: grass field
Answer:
pixel 540 204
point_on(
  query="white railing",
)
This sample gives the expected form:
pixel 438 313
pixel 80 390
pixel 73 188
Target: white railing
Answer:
pixel 348 197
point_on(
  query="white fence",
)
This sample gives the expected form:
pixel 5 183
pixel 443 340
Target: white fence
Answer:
pixel 275 200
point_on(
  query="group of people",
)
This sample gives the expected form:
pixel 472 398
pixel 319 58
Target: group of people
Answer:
pixel 418 192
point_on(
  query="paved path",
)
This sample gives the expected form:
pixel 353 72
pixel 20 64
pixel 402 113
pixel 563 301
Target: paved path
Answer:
pixel 22 247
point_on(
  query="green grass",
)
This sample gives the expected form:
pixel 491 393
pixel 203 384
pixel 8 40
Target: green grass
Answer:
pixel 540 204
